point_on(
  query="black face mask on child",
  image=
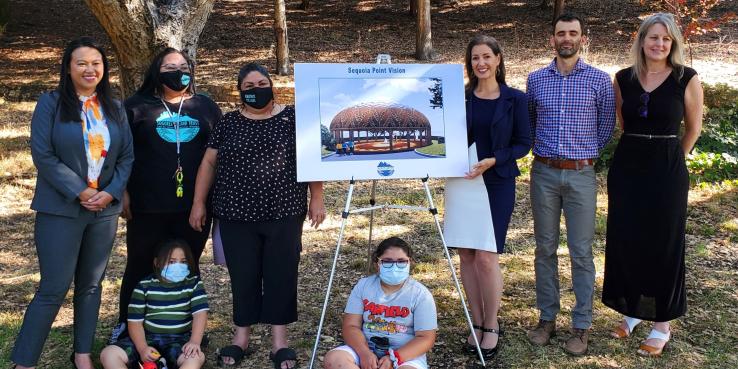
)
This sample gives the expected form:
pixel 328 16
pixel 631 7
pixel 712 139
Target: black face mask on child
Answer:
pixel 176 80
pixel 257 97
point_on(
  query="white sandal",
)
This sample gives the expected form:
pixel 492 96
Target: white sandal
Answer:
pixel 630 323
pixel 650 351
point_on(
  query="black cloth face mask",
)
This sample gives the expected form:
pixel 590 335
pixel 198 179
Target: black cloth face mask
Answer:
pixel 257 97
pixel 175 80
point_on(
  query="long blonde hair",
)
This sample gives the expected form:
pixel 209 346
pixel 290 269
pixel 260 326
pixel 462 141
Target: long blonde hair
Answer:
pixel 676 55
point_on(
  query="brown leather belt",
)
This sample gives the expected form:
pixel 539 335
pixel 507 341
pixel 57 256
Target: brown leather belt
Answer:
pixel 565 163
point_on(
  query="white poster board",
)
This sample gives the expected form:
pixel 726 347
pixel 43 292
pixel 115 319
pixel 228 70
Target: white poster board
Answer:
pixel 380 121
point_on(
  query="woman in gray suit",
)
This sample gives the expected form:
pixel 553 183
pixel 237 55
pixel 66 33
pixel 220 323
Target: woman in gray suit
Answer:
pixel 82 149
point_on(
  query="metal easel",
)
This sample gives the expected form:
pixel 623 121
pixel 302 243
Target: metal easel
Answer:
pixel 385 59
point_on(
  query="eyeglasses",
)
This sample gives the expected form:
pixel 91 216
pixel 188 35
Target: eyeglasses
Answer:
pixel 388 263
pixel 643 108
pixel 174 67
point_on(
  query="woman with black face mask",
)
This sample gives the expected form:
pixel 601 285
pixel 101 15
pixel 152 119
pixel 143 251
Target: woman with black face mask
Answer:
pixel 260 208
pixel 170 125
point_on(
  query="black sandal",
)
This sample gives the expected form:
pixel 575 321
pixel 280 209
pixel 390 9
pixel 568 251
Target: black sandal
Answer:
pixel 234 352
pixel 282 355
pixel 468 347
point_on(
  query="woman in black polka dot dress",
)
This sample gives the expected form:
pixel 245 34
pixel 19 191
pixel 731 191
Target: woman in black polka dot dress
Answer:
pixel 260 206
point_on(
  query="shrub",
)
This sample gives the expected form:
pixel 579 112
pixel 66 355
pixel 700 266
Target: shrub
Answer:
pixel 720 130
pixel 719 95
pixel 606 155
pixel 715 158
pixel 711 167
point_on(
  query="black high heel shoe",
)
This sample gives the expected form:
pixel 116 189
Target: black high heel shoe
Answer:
pixel 472 350
pixel 490 353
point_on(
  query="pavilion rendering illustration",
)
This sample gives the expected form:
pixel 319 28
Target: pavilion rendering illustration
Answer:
pixel 376 128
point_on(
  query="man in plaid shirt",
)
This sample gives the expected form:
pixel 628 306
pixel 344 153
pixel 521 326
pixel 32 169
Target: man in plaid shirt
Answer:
pixel 572 112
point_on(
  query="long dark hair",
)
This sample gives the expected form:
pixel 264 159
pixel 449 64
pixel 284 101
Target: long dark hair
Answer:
pixel 151 87
pixel 496 49
pixel 164 252
pixel 69 104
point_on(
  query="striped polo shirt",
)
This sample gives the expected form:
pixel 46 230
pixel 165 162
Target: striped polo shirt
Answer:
pixel 167 308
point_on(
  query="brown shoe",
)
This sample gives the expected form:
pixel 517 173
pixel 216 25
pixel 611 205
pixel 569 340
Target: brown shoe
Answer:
pixel 577 342
pixel 542 333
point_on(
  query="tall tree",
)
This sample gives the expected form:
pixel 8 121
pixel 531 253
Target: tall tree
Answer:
pixel 280 33
pixel 139 29
pixel 558 7
pixel 423 44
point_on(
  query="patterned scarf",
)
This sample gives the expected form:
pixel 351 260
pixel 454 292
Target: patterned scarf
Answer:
pixel 96 137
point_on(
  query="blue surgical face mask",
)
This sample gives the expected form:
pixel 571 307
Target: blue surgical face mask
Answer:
pixel 394 275
pixel 175 272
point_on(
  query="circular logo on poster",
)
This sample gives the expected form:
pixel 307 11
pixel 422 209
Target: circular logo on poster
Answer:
pixel 385 169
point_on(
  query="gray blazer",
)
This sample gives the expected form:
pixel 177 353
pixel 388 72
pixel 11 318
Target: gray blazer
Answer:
pixel 58 153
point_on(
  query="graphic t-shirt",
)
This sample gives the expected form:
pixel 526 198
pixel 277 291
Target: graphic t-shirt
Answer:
pixel 396 316
pixel 152 185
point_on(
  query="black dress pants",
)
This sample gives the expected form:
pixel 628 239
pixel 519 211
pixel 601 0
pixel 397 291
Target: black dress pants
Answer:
pixel 262 260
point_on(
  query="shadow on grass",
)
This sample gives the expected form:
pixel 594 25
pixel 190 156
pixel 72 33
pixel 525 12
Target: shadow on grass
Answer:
pixel 11 145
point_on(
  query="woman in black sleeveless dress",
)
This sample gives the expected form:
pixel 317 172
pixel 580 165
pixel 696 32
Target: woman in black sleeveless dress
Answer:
pixel 648 184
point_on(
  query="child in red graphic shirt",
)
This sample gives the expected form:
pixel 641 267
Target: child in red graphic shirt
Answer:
pixel 390 318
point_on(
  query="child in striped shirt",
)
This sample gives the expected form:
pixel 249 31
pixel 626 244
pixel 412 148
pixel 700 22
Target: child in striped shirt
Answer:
pixel 166 316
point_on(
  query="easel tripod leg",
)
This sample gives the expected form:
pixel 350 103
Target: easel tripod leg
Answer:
pixel 434 211
pixel 372 202
pixel 344 216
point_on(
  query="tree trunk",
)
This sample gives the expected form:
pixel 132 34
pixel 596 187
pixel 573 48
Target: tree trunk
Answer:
pixel 558 8
pixel 423 44
pixel 139 29
pixel 280 33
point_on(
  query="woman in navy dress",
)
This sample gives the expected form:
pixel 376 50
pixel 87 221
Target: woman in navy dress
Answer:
pixel 499 134
pixel 648 184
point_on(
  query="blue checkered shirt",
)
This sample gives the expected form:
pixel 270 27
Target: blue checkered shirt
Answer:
pixel 572 116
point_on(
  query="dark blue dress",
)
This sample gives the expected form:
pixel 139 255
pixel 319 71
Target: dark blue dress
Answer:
pixel 500 190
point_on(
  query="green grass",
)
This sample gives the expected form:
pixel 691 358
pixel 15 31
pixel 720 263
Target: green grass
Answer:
pixel 434 149
pixel 9 327
pixel 701 249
